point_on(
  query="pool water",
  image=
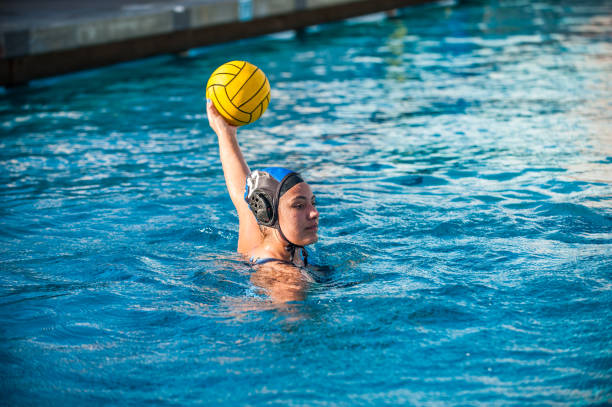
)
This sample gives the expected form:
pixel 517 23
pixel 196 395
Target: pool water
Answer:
pixel 461 154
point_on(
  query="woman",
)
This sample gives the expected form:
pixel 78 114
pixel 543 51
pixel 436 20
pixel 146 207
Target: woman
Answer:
pixel 276 208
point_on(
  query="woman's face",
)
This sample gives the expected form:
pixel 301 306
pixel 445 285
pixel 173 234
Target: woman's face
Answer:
pixel 297 215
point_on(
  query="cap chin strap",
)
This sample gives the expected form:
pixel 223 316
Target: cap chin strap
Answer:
pixel 292 246
pixel 285 185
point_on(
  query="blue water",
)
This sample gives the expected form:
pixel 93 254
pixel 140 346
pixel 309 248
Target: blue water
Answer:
pixel 461 154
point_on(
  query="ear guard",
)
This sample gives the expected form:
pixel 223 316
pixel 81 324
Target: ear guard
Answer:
pixel 262 207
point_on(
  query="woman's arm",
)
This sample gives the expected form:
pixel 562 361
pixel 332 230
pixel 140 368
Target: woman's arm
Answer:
pixel 235 170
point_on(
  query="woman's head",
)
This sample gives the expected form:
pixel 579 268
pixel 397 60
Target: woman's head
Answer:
pixel 279 198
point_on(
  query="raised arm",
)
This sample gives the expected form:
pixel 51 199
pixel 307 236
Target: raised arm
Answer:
pixel 235 170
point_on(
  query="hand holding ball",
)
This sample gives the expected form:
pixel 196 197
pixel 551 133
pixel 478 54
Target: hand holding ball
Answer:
pixel 240 91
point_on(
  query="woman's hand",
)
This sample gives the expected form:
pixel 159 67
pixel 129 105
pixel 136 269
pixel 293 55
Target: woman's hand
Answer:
pixel 217 122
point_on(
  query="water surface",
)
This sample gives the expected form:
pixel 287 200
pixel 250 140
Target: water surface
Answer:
pixel 461 154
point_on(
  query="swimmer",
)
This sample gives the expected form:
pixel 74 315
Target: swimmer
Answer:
pixel 276 209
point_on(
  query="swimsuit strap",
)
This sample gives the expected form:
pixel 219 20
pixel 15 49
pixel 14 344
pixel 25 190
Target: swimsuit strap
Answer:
pixel 292 247
pixel 258 262
pixel 268 260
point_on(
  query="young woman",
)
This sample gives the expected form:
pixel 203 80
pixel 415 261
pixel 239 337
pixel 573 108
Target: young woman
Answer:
pixel 276 208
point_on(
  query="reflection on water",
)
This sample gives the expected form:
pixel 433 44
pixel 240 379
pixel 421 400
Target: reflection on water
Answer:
pixel 594 114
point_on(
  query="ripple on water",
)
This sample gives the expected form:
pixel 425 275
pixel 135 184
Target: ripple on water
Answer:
pixel 459 158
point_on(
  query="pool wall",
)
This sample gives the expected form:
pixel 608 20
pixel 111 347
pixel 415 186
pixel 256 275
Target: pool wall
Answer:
pixel 35 44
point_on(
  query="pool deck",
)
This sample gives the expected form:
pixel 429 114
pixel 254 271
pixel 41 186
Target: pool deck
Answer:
pixel 40 38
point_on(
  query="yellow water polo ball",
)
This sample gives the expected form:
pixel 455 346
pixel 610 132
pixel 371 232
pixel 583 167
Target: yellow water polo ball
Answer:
pixel 240 91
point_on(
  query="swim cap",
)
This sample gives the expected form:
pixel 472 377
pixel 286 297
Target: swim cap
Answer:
pixel 264 189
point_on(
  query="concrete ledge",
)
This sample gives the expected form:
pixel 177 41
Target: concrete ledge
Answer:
pixel 43 40
pixel 214 14
pixel 53 50
pixel 265 8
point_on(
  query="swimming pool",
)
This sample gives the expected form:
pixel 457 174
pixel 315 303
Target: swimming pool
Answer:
pixel 461 155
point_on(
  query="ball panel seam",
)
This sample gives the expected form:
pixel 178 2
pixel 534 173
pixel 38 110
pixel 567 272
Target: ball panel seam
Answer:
pixel 242 78
pixel 235 76
pixel 256 93
pixel 239 67
pixel 244 83
pixel 229 115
